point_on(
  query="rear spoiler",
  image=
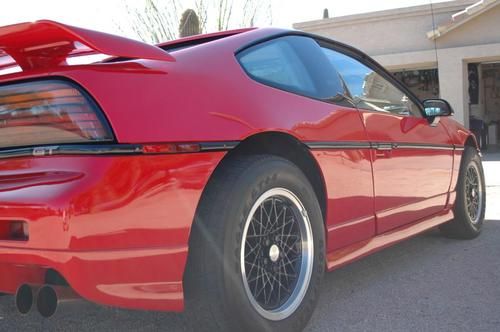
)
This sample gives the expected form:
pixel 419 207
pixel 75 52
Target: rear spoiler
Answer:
pixel 45 44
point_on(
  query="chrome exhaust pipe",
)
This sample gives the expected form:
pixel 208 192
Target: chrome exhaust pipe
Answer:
pixel 49 297
pixel 25 297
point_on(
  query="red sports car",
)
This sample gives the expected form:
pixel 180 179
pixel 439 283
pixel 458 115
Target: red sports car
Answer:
pixel 223 173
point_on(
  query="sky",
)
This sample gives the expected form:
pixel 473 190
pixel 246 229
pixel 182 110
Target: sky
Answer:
pixel 111 15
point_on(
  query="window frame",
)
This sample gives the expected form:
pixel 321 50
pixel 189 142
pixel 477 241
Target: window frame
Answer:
pixel 348 51
pixel 378 69
pixel 346 101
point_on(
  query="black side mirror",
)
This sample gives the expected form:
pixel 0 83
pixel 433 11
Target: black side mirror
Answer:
pixel 437 107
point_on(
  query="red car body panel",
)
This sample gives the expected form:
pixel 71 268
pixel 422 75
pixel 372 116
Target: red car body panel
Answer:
pixel 397 171
pixel 117 227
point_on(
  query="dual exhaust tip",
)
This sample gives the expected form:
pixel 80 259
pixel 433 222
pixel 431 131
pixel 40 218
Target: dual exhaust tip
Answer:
pixel 46 298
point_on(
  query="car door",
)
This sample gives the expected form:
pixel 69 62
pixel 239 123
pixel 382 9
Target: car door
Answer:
pixel 411 158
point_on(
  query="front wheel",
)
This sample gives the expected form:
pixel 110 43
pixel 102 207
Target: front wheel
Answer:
pixel 257 248
pixel 471 198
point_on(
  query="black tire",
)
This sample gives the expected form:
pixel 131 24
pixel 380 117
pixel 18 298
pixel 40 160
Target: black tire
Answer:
pixel 216 298
pixel 465 226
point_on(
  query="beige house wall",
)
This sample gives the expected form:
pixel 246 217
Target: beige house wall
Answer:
pixel 483 29
pixel 392 31
pixel 398 40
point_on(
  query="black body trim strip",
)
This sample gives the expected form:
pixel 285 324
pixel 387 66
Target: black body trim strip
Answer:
pixel 376 145
pixel 75 149
pixel 338 145
pixel 218 146
pixel 100 149
pixel 422 146
pixel 136 149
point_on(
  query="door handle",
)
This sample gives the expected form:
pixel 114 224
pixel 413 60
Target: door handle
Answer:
pixel 384 147
pixel 384 150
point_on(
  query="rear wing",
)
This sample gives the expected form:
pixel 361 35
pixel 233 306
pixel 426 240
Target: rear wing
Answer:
pixel 45 44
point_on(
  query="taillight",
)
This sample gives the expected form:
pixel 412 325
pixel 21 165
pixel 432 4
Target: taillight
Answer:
pixel 49 112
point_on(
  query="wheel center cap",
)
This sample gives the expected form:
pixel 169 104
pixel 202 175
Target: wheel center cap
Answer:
pixel 274 253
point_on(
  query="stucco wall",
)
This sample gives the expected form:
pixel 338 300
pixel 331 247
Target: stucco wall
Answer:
pixel 483 29
pixel 393 31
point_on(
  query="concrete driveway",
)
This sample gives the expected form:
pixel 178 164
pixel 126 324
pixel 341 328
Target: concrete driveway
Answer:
pixel 428 283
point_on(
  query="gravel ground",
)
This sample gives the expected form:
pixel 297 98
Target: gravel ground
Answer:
pixel 428 283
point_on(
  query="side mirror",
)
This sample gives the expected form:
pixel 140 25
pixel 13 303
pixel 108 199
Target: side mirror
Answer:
pixel 437 107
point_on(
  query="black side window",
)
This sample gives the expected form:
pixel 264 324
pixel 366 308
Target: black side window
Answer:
pixel 370 90
pixel 293 63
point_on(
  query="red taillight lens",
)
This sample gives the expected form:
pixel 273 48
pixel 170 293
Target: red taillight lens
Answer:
pixel 170 148
pixel 49 112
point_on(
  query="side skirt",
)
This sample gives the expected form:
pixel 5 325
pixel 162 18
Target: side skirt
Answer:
pixel 353 252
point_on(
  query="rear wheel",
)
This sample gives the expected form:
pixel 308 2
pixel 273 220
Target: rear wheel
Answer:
pixel 257 248
pixel 471 198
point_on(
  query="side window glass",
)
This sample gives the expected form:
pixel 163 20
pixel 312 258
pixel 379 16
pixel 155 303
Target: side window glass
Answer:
pixel 296 64
pixel 370 90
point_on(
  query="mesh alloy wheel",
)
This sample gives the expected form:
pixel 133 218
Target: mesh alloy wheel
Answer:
pixel 470 200
pixel 473 193
pixel 277 254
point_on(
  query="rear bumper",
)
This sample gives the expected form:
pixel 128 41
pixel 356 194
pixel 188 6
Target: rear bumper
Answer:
pixel 115 227
pixel 139 278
